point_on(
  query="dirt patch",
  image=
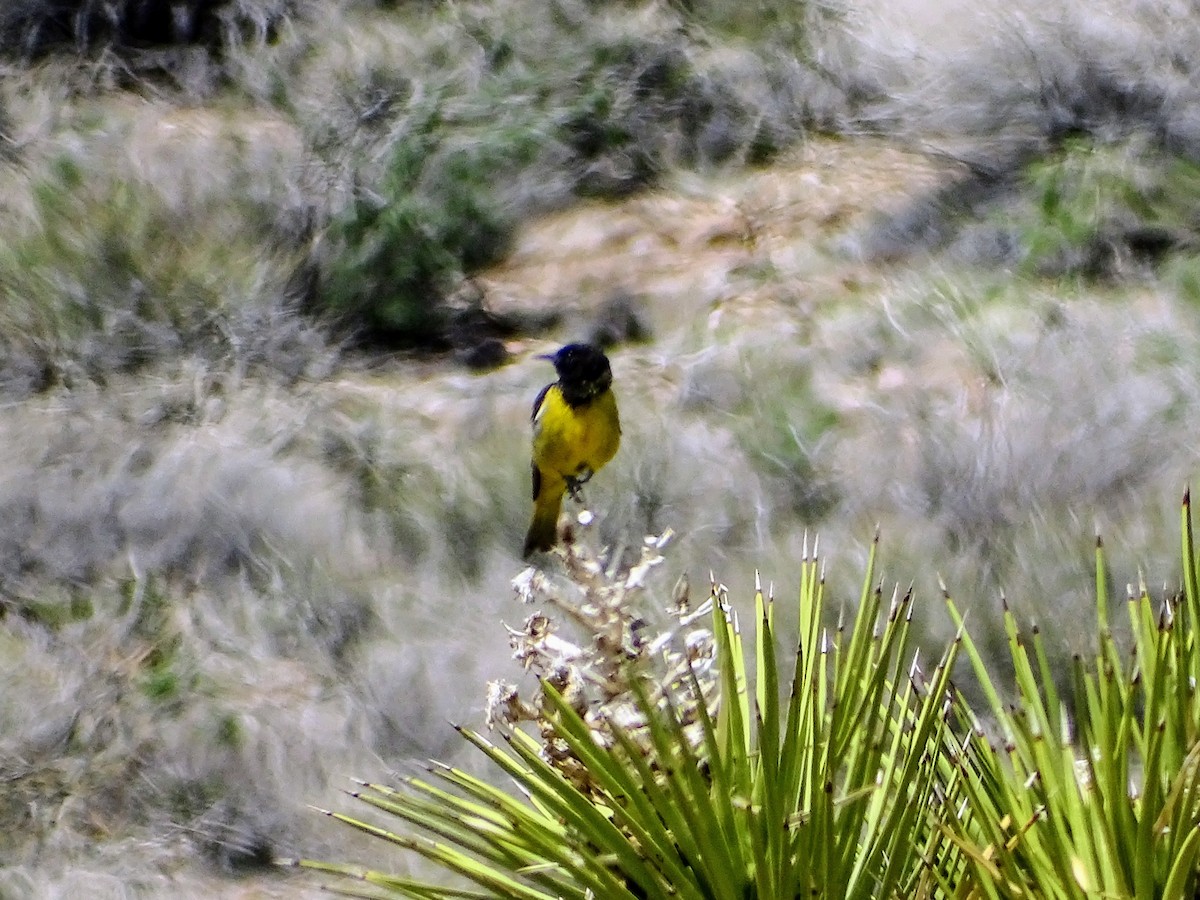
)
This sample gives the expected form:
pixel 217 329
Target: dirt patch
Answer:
pixel 709 243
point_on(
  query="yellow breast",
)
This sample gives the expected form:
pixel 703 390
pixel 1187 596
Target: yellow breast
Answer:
pixel 567 440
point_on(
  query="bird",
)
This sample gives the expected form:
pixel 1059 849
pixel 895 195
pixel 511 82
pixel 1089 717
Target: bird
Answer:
pixel 576 431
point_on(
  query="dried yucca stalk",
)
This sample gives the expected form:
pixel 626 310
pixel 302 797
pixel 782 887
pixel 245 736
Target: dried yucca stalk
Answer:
pixel 615 655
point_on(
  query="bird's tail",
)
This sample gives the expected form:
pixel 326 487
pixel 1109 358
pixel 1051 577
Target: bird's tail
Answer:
pixel 543 530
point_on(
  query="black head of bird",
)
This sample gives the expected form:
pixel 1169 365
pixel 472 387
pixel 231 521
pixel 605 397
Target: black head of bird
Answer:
pixel 583 372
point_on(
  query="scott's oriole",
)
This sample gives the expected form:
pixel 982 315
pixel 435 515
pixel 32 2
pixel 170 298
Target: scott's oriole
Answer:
pixel 576 430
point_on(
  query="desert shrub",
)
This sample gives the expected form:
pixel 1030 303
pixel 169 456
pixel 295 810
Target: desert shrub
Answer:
pixel 786 23
pixel 1105 211
pixel 964 440
pixel 169 578
pixel 403 244
pixel 1086 207
pixel 107 277
pixel 31 28
pixel 139 728
pixel 456 185
pixel 1030 74
pixel 1042 106
pixel 772 388
pixel 448 512
pixel 792 425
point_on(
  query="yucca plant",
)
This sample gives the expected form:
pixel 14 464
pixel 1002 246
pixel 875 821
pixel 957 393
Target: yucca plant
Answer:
pixel 688 765
pixel 1094 794
pixel 683 766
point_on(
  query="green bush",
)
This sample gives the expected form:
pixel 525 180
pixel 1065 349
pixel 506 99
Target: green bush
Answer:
pixel 1103 210
pixel 434 217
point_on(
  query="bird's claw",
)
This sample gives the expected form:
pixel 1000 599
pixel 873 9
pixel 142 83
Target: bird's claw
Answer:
pixel 576 482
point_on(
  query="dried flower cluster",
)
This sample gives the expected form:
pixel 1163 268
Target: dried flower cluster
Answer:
pixel 612 657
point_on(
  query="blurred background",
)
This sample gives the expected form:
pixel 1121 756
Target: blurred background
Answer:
pixel 273 274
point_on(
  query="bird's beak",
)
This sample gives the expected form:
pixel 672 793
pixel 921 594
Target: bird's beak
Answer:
pixel 549 356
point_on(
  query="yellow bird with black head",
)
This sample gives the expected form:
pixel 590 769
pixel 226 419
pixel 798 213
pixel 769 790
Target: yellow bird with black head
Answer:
pixel 576 431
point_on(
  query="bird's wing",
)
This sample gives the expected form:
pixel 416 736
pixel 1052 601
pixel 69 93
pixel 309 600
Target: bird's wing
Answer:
pixel 537 408
pixel 537 403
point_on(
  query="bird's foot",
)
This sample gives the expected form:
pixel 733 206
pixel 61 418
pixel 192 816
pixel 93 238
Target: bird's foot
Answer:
pixel 576 482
